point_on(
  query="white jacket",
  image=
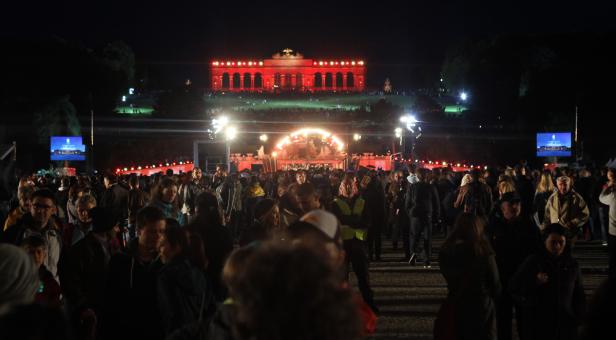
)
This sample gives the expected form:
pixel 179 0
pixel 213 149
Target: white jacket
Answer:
pixel 608 197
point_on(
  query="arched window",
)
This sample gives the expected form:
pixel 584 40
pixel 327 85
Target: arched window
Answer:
pixel 225 80
pixel 350 79
pixel 277 80
pixel 318 80
pixel 328 80
pixel 339 80
pixel 299 81
pixel 247 80
pixel 258 81
pixel 237 80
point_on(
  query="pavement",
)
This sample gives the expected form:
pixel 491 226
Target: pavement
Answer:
pixel 409 297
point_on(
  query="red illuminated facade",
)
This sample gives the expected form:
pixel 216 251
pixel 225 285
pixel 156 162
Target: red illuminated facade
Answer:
pixel 288 71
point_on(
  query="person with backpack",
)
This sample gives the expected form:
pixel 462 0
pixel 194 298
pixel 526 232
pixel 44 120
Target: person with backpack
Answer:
pixel 476 197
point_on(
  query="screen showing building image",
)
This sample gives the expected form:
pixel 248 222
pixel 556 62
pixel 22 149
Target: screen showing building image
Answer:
pixel 554 144
pixel 67 148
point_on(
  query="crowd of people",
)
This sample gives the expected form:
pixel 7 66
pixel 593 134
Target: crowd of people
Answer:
pixel 268 256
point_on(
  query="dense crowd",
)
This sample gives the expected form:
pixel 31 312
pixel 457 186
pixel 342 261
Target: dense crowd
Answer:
pixel 268 256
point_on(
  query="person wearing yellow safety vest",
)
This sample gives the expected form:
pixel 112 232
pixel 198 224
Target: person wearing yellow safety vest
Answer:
pixel 349 209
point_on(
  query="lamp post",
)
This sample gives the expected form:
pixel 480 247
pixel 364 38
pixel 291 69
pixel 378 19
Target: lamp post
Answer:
pixel 230 134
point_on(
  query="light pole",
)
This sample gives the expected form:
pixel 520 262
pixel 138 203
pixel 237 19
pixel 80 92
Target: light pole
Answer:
pixel 230 134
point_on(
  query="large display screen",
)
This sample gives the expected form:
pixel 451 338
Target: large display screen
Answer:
pixel 554 144
pixel 67 148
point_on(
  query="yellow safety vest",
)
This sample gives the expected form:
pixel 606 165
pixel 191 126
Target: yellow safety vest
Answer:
pixel 347 232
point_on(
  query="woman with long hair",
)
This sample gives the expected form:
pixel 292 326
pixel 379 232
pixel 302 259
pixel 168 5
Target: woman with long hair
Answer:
pixel 468 264
pixel 545 189
pixel 166 199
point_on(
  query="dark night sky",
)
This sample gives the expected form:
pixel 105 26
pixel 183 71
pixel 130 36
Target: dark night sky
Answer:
pixel 382 32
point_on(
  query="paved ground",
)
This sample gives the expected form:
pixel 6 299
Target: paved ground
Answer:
pixel 409 297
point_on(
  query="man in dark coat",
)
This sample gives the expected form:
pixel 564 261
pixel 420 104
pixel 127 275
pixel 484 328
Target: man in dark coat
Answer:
pixel 84 274
pixel 423 206
pixel 131 309
pixel 115 198
pixel 372 192
pixel 513 238
pixel 548 286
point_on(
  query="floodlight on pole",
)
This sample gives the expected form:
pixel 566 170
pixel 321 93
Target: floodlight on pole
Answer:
pixel 220 123
pixel 356 137
pixel 230 133
pixel 263 138
pixel 463 96
pixel 398 132
pixel 410 121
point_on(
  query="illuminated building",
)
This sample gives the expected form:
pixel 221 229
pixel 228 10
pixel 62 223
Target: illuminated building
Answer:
pixel 288 71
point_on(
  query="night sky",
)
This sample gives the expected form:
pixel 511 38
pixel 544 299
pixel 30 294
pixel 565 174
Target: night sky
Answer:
pixel 382 32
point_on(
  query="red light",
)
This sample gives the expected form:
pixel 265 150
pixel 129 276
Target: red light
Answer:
pixel 160 164
pixel 314 63
pixel 118 170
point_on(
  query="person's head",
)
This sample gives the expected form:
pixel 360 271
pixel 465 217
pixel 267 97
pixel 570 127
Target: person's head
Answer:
pixel 75 191
pixel 466 179
pixel 510 205
pixel 24 195
pixel 505 186
pixel 197 173
pixel 563 183
pixel 611 174
pixel 36 246
pixel 282 188
pixel 84 204
pixel 266 290
pixel 423 174
pixel 206 207
pixel 109 179
pixel 365 182
pixel 321 230
pixel 546 184
pixel 20 279
pixel 308 197
pixel 133 181
pixel 167 190
pixel 475 175
pixel 348 187
pixel 398 176
pixel 300 177
pixel 555 240
pixel 43 206
pixel 174 241
pixel 469 228
pixel 150 227
pixel 267 213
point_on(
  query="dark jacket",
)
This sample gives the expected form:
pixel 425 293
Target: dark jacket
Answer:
pixel 131 308
pixel 116 199
pixel 49 291
pixel 218 244
pixel 253 233
pixel 137 199
pixel 375 203
pixel 524 187
pixel 552 310
pixel 539 203
pixel 84 274
pixel 422 201
pixel 475 198
pixel 183 294
pixel 512 241
pixel 473 285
